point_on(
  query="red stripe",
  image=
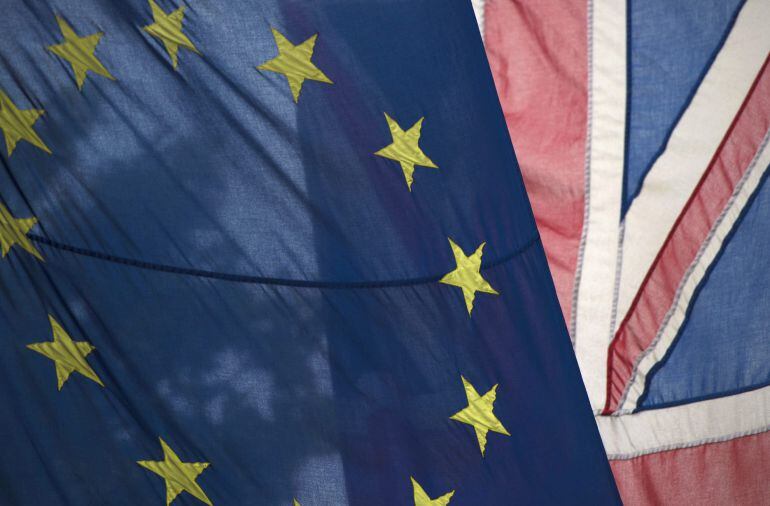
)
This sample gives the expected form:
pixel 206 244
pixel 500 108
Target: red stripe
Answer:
pixel 731 472
pixel 657 291
pixel 537 51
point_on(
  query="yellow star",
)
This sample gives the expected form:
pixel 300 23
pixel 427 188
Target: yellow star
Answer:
pixel 296 503
pixel 168 28
pixel 467 275
pixel 405 149
pixel 79 52
pixel 16 124
pixel 480 413
pixel 180 476
pixel 421 498
pixel 14 231
pixel 294 63
pixel 69 355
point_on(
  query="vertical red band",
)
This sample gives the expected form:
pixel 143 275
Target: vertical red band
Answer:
pixel 538 54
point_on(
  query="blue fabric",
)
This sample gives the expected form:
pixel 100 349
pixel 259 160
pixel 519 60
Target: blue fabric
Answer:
pixel 260 288
pixel 724 345
pixel 672 44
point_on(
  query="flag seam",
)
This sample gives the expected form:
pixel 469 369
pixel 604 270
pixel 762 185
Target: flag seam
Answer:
pixel 266 280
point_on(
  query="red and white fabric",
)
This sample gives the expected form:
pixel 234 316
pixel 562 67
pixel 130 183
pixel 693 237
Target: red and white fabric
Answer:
pixel 625 285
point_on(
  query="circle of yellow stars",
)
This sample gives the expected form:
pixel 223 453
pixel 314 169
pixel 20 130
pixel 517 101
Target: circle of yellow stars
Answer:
pixel 421 498
pixel 405 149
pixel 179 476
pixel 79 53
pixel 14 231
pixel 68 355
pixel 294 63
pixel 167 27
pixel 16 124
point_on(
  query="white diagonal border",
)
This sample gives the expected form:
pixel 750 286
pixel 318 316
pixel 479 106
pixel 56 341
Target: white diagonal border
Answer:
pixel 695 139
pixel 695 274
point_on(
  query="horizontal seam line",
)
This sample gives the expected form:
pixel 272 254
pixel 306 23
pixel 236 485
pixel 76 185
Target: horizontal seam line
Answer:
pixel 689 444
pixel 261 280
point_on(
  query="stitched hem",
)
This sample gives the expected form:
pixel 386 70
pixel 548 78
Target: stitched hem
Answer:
pixel 689 444
pixel 586 175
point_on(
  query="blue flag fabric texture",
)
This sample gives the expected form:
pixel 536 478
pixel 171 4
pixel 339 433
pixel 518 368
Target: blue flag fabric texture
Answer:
pixel 273 253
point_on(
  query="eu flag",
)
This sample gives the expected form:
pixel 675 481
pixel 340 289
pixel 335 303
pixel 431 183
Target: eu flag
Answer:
pixel 273 253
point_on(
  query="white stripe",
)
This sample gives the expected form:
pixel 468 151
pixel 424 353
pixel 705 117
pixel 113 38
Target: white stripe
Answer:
pixel 595 275
pixel 656 430
pixel 478 8
pixel 695 139
pixel 695 273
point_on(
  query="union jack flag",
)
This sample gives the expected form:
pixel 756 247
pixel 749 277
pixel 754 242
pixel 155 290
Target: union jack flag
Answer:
pixel 642 132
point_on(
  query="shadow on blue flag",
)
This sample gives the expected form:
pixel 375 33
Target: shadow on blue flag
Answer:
pixel 274 312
